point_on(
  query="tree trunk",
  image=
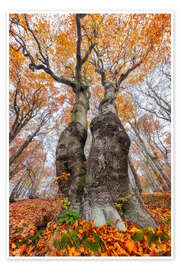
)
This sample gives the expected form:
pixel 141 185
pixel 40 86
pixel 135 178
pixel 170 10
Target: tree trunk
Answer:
pixel 70 156
pixel 137 182
pixel 155 162
pixel 22 147
pixel 156 185
pixel 107 172
pixel 20 190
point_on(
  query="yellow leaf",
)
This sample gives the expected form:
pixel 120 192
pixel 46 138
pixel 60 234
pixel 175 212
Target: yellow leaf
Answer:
pixel 134 229
pixel 71 251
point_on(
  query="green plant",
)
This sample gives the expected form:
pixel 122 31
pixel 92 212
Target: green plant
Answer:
pixel 35 238
pixel 68 217
pixel 67 239
pixel 65 203
pixel 71 239
pixel 20 242
pixel 138 236
pixel 121 202
pixel 93 245
pixel 109 222
pixel 151 237
pixel 19 230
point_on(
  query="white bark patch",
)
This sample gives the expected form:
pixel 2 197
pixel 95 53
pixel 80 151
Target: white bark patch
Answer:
pixel 101 215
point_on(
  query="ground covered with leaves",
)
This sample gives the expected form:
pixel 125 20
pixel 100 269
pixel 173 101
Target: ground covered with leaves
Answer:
pixel 38 227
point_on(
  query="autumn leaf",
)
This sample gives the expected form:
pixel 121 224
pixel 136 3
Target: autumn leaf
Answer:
pixel 130 245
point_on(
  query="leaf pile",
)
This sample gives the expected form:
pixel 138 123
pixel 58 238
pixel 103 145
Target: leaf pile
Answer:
pixel 26 218
pixel 159 206
pixel 68 235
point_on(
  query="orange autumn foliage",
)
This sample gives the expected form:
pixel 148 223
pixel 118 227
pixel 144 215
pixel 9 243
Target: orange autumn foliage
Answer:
pixel 122 41
pixel 26 240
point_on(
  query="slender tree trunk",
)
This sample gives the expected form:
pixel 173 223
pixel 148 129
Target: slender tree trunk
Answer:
pixel 107 172
pixel 70 156
pixel 22 147
pixel 154 161
pixel 135 176
pixel 19 190
pixel 155 183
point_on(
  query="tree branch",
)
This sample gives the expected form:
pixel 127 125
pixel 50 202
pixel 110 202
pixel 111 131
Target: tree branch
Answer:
pixel 88 53
pixel 45 63
pixel 124 75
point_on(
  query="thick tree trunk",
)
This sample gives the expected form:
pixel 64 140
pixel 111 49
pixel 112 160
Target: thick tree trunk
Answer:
pixel 70 156
pixel 107 172
pixel 106 169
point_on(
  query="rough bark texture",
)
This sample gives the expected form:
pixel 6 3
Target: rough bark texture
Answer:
pixel 107 173
pixel 107 169
pixel 70 156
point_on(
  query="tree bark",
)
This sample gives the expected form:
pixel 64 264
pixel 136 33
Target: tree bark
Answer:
pixel 19 190
pixel 107 172
pixel 70 156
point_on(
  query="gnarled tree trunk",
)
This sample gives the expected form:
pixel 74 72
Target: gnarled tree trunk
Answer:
pixel 70 156
pixel 107 172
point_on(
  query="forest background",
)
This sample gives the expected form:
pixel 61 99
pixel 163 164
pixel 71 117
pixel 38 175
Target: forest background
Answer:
pixel 122 61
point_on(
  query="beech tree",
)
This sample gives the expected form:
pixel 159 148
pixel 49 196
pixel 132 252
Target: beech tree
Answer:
pixel 82 51
pixel 70 155
pixel 108 160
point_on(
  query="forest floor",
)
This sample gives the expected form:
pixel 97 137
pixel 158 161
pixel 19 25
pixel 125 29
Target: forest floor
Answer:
pixel 36 228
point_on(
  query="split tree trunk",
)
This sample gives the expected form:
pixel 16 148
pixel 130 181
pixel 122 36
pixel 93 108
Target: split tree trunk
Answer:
pixel 107 172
